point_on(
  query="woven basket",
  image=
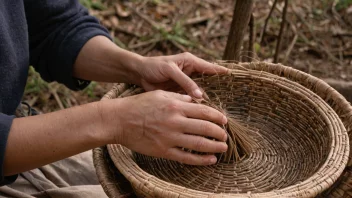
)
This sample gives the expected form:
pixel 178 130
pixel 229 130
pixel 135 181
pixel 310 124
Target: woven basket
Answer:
pixel 302 150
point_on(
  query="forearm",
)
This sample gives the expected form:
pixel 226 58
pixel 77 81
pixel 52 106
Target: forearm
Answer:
pixel 101 60
pixel 42 139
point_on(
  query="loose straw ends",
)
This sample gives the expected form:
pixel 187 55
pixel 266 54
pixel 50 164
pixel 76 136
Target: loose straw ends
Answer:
pixel 239 141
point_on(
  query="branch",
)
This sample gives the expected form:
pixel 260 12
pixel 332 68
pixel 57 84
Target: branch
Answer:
pixel 281 34
pixel 251 39
pixel 267 21
pixel 292 44
pixel 240 19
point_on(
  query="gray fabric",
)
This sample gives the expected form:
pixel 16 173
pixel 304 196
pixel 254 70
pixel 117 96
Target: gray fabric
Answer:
pixel 73 177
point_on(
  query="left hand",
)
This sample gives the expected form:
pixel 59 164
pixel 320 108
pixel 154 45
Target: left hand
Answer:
pixel 164 72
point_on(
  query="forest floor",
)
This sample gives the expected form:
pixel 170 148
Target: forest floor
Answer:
pixel 317 38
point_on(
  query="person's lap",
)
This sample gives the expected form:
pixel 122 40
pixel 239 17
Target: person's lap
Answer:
pixel 73 177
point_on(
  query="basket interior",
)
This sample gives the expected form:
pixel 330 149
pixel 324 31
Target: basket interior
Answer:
pixel 293 139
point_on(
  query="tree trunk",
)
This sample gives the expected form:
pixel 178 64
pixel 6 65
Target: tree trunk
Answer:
pixel 240 20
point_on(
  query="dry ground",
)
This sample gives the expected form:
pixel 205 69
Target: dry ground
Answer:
pixel 317 39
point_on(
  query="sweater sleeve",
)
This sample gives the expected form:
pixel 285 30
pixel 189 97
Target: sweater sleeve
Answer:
pixel 57 31
pixel 5 126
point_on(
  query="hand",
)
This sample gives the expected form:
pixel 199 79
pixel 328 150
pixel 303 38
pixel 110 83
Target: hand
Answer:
pixel 164 72
pixel 159 123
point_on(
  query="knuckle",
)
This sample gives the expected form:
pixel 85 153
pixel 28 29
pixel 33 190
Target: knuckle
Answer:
pixel 171 67
pixel 159 93
pixel 173 121
pixel 205 111
pixel 187 54
pixel 173 105
pixel 190 84
pixel 185 159
pixel 205 127
pixel 167 154
pixel 200 144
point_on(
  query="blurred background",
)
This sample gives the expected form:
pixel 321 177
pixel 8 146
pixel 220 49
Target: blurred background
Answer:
pixel 316 38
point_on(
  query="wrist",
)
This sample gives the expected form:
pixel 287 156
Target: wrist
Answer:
pixel 131 64
pixel 110 121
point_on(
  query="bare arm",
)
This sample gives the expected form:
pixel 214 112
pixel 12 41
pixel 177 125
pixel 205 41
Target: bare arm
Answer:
pixel 101 60
pixel 175 122
pixel 42 139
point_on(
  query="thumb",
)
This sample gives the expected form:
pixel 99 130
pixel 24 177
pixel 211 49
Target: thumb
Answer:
pixel 184 81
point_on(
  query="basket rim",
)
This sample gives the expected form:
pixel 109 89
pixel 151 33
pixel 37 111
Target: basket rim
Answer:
pixel 287 70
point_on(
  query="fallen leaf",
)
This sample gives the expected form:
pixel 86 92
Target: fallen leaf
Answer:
pixel 106 23
pixel 122 12
pixel 114 21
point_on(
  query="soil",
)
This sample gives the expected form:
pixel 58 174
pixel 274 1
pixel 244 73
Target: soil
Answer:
pixel 319 34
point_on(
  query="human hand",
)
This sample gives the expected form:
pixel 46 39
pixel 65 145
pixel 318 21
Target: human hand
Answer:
pixel 164 72
pixel 159 123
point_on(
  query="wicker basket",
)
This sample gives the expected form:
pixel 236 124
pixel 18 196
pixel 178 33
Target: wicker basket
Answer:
pixel 302 150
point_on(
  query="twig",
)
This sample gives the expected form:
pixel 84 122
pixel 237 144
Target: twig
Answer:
pixel 267 21
pixel 208 51
pixel 281 34
pixel 323 48
pixel 123 30
pixel 310 67
pixel 196 20
pixel 33 100
pixel 107 12
pixel 210 24
pixel 179 46
pixel 346 34
pixel 154 24
pixel 148 49
pixel 292 44
pixel 251 39
pixel 142 44
pixel 68 102
pixel 336 15
pixel 217 4
pixel 117 41
pixel 186 42
pixel 218 34
pixel 53 91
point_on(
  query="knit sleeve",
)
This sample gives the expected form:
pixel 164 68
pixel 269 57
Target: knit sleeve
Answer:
pixel 57 32
pixel 5 126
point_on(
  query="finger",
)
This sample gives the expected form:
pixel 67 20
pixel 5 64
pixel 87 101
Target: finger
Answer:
pixel 201 144
pixel 184 157
pixel 204 112
pixel 184 81
pixel 202 128
pixel 202 66
pixel 182 97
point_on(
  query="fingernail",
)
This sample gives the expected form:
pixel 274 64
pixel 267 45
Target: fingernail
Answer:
pixel 187 97
pixel 224 120
pixel 213 160
pixel 225 137
pixel 224 149
pixel 197 93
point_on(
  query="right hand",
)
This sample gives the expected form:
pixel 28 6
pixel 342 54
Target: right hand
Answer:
pixel 159 123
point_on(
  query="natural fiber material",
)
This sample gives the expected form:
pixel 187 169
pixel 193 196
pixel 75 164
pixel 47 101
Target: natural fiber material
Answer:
pixel 240 138
pixel 295 156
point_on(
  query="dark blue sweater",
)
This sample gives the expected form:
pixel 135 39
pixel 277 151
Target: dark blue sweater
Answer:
pixel 47 34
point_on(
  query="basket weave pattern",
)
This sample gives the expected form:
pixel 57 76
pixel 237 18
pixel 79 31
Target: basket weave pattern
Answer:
pixel 302 149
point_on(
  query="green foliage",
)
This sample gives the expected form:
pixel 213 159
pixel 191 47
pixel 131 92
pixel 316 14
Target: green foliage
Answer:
pixel 96 5
pixel 343 4
pixel 178 29
pixel 90 90
pixel 35 84
pixel 257 47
